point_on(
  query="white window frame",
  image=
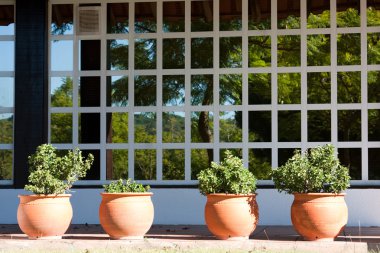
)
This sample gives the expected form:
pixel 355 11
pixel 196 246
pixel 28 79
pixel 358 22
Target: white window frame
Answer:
pixel 245 145
pixel 10 74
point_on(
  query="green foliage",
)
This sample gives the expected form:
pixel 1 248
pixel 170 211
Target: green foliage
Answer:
pixel 315 170
pixel 122 185
pixel 51 174
pixel 230 176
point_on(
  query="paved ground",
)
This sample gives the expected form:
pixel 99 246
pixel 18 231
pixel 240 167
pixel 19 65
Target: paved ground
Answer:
pixel 184 238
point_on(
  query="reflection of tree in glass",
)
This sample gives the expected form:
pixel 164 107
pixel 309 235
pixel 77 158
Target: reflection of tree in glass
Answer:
pixel 117 54
pixel 260 163
pixel 63 95
pixel 5 165
pixel 199 161
pixel 173 163
pixel 145 164
pixel 173 127
pixel 229 127
pixel 145 53
pixel 118 164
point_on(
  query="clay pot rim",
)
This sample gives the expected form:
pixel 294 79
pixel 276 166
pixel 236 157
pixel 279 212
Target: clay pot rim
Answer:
pixel 37 196
pixel 320 194
pixel 125 194
pixel 232 194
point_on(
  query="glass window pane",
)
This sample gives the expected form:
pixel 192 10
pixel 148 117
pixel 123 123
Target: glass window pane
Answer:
pixel 374 125
pixel 89 91
pixel 173 164
pixel 259 14
pixel 288 14
pixel 260 126
pixel 289 126
pixel 202 53
pixel 173 53
pixel 319 125
pixel 284 154
pixel 202 127
pixel 260 163
pixel 173 90
pixel 145 127
pixel 94 172
pixel 318 50
pixel 173 127
pixel 117 54
pixel 145 91
pixel 373 47
pixel 374 163
pixel 202 90
pixel 173 17
pixel 349 125
pixel 89 51
pixel 145 164
pixel 234 151
pixel 117 127
pixel 61 127
pixel 259 89
pixel 230 87
pixel 7 17
pixel 6 164
pixel 259 51
pixel 117 164
pixel 349 87
pixel 289 50
pixel 146 17
pixel 348 49
pixel 373 10
pixel 200 160
pixel 230 18
pixel 6 128
pixel 230 129
pixel 289 88
pixel 202 15
pixel 373 87
pixel 230 52
pixel 7 49
pixel 145 53
pixel 6 92
pixel 318 14
pixel 62 19
pixel 117 18
pixel 61 55
pixel 352 159
pixel 89 128
pixel 61 91
pixel 318 88
pixel 117 91
pixel 348 13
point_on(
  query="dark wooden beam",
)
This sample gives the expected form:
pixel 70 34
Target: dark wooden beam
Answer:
pixel 31 84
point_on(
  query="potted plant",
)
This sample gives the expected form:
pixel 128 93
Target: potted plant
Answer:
pixel 48 212
pixel 126 210
pixel 231 210
pixel 316 179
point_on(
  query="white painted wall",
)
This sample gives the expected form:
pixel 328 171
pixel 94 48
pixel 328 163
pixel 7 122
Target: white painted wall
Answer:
pixel 185 206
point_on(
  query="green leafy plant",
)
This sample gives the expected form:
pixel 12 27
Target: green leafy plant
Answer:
pixel 128 185
pixel 230 176
pixel 53 174
pixel 313 171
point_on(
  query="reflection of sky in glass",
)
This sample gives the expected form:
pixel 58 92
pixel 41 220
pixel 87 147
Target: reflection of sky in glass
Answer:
pixel 227 115
pixel 7 30
pixel 6 91
pixel 7 61
pixel 69 29
pixel 56 82
pixel 116 44
pixel 62 55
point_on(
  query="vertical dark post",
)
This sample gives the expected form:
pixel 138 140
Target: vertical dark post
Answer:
pixel 31 104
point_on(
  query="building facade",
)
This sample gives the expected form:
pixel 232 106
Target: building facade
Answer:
pixel 155 90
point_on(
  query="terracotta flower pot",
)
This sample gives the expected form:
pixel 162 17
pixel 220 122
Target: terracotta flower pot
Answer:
pixel 231 216
pixel 44 216
pixel 319 216
pixel 126 215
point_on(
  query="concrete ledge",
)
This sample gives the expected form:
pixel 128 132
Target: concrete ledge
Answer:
pixel 185 238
